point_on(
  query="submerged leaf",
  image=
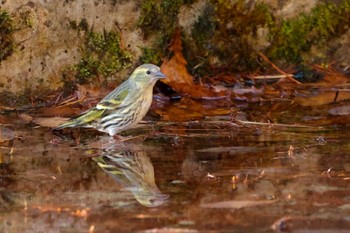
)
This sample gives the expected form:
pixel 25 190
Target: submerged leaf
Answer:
pixel 322 98
pixel 340 111
pixel 6 134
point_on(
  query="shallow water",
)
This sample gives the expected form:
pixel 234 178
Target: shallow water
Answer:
pixel 194 177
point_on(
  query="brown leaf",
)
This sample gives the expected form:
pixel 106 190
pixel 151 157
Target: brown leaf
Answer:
pixel 332 76
pixel 65 110
pixel 5 120
pixel 51 122
pixel 25 117
pixel 178 77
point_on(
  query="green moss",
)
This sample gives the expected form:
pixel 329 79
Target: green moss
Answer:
pixel 102 56
pixel 293 38
pixel 223 35
pixel 159 19
pixel 226 33
pixel 150 18
pixel 7 44
pixel 26 19
pixel 160 16
pixel 204 28
pixel 150 55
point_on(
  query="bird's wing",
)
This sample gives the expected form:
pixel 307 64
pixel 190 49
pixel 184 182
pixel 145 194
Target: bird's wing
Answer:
pixel 98 111
pixel 95 113
pixel 108 104
pixel 83 119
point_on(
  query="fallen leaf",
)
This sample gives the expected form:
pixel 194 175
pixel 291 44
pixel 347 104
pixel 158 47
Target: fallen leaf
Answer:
pixel 340 111
pixel 65 110
pixel 51 122
pixel 5 120
pixel 333 77
pixel 251 90
pixel 322 98
pixel 324 120
pixel 180 80
pixel 6 134
pixel 26 118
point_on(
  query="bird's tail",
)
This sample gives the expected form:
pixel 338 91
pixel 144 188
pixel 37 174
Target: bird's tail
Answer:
pixel 83 120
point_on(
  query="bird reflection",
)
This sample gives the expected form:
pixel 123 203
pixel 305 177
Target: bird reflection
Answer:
pixel 133 170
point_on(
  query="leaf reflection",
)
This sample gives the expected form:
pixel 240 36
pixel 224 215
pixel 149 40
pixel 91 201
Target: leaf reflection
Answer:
pixel 133 170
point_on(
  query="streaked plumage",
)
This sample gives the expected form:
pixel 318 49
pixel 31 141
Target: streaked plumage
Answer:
pixel 134 171
pixel 125 106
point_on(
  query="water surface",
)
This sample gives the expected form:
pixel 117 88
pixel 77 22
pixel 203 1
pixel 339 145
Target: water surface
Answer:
pixel 183 177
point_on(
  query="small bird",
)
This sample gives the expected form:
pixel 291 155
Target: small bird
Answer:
pixel 124 107
pixel 134 172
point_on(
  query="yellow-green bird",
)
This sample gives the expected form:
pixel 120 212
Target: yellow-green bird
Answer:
pixel 134 171
pixel 125 106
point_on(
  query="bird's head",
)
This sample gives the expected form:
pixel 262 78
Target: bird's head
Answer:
pixel 150 199
pixel 146 74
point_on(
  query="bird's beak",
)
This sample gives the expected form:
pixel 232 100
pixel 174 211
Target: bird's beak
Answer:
pixel 162 196
pixel 160 75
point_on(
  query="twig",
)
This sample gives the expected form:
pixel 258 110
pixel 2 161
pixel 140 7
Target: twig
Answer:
pixel 272 76
pixel 288 76
pixel 274 124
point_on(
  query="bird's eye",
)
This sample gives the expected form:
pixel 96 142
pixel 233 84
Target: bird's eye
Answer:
pixel 148 72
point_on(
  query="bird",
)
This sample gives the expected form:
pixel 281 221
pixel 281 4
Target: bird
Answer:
pixel 134 172
pixel 124 107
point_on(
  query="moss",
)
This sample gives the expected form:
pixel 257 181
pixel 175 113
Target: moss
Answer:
pixel 150 55
pixel 293 38
pixel 26 19
pixel 7 44
pixel 150 18
pixel 204 28
pixel 27 97
pixel 102 56
pixel 224 33
pixel 225 36
pixel 159 19
pixel 160 16
pixel 221 32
